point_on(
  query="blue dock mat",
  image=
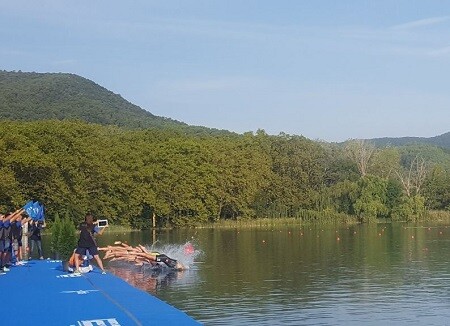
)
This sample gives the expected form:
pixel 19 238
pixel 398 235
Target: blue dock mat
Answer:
pixel 40 293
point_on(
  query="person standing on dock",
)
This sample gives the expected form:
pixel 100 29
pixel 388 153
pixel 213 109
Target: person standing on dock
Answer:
pixel 6 238
pixel 3 221
pixel 35 228
pixel 17 234
pixel 87 242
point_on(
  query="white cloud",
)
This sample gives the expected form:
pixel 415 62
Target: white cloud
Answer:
pixel 214 84
pixel 444 51
pixel 65 62
pixel 421 23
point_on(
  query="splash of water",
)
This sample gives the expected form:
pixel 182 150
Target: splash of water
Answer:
pixel 184 253
pixel 150 278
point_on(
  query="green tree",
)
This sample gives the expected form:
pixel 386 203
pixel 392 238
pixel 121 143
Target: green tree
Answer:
pixel 67 241
pixel 371 198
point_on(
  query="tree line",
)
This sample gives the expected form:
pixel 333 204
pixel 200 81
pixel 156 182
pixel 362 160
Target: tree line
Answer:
pixel 128 176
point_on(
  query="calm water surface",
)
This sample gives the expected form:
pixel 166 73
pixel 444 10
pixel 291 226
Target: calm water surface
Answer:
pixel 371 275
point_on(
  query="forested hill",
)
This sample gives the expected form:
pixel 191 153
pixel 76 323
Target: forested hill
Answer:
pixel 34 96
pixel 30 96
pixel 142 166
pixel 440 141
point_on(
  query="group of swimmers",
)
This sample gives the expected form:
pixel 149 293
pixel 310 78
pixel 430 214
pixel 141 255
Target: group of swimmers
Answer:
pixel 11 233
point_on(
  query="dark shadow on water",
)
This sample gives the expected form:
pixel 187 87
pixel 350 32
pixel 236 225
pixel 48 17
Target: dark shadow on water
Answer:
pixel 146 278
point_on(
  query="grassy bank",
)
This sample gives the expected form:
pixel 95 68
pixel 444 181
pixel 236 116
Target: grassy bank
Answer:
pixel 443 216
pixel 315 218
pixel 305 218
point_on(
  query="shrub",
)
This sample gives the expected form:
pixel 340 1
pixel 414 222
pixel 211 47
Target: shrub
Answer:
pixel 56 234
pixel 64 237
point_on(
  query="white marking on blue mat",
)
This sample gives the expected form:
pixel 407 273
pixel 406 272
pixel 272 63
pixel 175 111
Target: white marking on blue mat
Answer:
pixel 98 322
pixel 80 291
pixel 69 275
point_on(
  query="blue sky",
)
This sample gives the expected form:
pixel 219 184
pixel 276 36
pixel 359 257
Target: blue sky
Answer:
pixel 325 69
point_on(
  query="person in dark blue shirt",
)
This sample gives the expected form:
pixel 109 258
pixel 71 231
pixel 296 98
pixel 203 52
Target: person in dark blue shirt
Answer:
pixel 35 228
pixel 6 237
pixel 17 234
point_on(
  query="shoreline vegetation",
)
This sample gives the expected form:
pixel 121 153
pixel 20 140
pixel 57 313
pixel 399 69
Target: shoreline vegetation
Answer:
pixel 135 178
pixel 431 216
pixel 77 147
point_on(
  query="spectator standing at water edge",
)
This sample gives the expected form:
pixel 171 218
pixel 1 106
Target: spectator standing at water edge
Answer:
pixel 35 228
pixel 3 221
pixel 6 237
pixel 17 233
pixel 87 242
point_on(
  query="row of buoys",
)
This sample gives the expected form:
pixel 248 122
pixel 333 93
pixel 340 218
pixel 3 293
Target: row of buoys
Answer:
pixel 354 232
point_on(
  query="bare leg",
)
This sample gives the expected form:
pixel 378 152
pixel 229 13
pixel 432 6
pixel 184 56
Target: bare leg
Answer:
pixel 99 262
pixel 20 253
pixel 77 263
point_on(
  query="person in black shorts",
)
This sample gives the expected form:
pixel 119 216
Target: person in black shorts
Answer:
pixel 6 238
pixel 2 243
pixel 17 234
pixel 87 242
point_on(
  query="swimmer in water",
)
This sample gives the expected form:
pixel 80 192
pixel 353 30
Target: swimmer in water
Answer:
pixel 139 256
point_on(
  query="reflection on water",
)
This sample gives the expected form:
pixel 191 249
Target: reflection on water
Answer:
pixel 389 274
pixel 150 278
pixel 144 277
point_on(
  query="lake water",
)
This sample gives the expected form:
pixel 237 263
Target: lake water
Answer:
pixel 366 274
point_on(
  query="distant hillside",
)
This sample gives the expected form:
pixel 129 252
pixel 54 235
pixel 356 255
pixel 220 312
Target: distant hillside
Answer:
pixel 42 96
pixel 440 141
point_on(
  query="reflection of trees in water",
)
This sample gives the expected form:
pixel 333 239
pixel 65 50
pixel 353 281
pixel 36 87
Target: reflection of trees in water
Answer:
pixel 144 277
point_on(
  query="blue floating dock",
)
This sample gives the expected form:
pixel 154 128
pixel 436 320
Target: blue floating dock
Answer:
pixel 40 293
